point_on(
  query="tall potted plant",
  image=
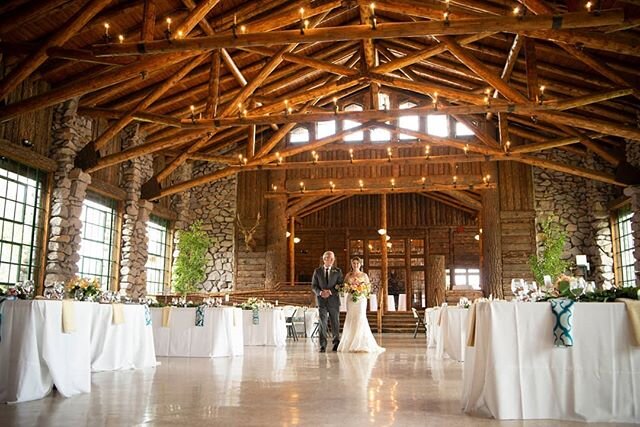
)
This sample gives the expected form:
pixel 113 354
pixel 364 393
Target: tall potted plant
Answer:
pixel 190 264
pixel 548 261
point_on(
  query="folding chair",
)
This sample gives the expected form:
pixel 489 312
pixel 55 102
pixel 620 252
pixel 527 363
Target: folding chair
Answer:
pixel 419 322
pixel 291 328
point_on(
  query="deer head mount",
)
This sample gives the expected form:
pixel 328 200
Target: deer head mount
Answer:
pixel 249 241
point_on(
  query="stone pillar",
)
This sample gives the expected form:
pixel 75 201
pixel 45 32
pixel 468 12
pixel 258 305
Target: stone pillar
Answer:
pixel 276 266
pixel 601 258
pixel 634 194
pixel 69 134
pixel 134 253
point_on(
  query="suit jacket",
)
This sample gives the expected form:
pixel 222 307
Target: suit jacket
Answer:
pixel 319 282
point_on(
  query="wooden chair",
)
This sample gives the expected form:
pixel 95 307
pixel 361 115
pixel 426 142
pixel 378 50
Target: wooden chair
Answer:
pixel 419 322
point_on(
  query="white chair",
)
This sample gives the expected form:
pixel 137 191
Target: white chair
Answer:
pixel 289 314
pixel 391 303
pixel 419 322
pixel 402 302
pixel 373 302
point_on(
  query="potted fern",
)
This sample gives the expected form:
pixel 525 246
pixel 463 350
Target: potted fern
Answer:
pixel 548 261
pixel 189 269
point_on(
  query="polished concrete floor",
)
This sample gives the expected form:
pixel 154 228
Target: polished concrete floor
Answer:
pixel 405 386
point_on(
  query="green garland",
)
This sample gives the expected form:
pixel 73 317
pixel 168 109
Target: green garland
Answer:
pixel 600 295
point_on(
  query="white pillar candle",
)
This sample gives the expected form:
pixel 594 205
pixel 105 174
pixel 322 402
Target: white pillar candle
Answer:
pixel 226 298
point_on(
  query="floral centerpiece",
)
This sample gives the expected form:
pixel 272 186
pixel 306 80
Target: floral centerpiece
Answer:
pixel 357 287
pixel 464 302
pixel 255 304
pixel 562 288
pixel 25 290
pixel 82 289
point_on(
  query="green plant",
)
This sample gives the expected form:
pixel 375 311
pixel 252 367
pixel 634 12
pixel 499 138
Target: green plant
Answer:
pixel 191 262
pixel 548 262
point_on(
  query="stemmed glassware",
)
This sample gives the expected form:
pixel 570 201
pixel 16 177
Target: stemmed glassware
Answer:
pixel 577 287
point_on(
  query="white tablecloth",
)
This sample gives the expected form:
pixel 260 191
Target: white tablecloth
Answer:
pixel 221 335
pixel 515 372
pixel 35 354
pixel 434 332
pixel 271 329
pixel 373 302
pixel 128 345
pixel 453 330
pixel 391 303
pixel 402 302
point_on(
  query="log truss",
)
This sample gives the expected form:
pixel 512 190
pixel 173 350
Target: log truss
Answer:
pixel 226 82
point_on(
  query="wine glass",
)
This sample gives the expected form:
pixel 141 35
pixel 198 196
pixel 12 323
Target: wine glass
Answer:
pixel 576 287
pixel 591 287
pixel 48 292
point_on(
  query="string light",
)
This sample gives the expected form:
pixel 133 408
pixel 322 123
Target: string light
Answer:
pixel 466 149
pixel 303 22
pixel 424 181
pixel 588 6
pixel 434 101
pixel 193 113
pixel 301 187
pixel 541 94
pixel 286 107
pixel 315 156
pixel 446 13
pixel 107 37
pixel 243 29
pixel 507 146
pixel 335 105
pixel 274 187
pixel 240 156
pixel 121 38
pixel 516 10
pixel 296 240
pixel 332 186
pixel 361 183
pixel 234 27
pixel 180 34
pixel 427 151
pixel 278 158
pixel 486 179
pixel 393 184
pixel 389 153
pixel 455 180
pixel 351 154
pixel 487 97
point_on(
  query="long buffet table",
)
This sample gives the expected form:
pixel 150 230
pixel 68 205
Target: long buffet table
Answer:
pixel 269 329
pixel 219 336
pixel 515 372
pixel 36 354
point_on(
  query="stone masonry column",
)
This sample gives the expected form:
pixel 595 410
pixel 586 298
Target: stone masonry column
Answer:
pixel 135 172
pixel 69 134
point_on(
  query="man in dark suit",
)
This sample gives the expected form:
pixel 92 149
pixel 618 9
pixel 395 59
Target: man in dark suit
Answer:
pixel 325 282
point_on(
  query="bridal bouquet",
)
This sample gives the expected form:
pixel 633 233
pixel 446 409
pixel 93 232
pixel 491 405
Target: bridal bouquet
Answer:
pixel 357 287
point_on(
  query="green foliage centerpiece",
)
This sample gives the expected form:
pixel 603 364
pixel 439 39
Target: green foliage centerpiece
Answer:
pixel 190 265
pixel 548 262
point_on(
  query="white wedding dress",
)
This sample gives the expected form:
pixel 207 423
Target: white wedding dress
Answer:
pixel 356 334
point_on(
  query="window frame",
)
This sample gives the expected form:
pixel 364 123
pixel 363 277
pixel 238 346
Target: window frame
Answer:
pixel 114 244
pixel 166 270
pixel 291 141
pixel 618 266
pixel 37 224
pixel 347 138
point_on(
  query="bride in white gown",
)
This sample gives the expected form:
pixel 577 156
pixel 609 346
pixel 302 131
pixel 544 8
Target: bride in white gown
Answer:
pixel 356 335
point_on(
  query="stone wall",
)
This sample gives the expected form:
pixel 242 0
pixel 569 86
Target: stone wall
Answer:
pixel 135 241
pixel 70 133
pixel 215 205
pixel 582 207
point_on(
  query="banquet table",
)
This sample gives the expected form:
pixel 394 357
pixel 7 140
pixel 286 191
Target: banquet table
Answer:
pixel 35 354
pixel 453 332
pixel 220 335
pixel 271 329
pixel 515 372
pixel 127 345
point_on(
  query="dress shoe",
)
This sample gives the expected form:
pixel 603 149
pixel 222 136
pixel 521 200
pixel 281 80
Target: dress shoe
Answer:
pixel 335 347
pixel 323 350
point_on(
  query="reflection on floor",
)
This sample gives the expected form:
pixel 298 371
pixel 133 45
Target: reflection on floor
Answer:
pixel 405 386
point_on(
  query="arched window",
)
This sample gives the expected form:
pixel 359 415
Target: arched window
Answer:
pixel 325 129
pixel 299 135
pixel 438 125
pixel 350 124
pixel 408 122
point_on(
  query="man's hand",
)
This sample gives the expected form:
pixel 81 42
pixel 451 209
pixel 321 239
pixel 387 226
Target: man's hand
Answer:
pixel 325 293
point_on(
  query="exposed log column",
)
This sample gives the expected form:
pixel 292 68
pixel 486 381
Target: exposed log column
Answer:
pixel 384 264
pixel 292 250
pixel 491 272
pixel 436 280
pixel 275 269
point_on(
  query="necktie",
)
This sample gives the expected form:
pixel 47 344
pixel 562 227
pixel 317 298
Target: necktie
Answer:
pixel 326 275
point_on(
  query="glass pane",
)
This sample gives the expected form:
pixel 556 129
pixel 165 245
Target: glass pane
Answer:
pixel 396 262
pixel 397 247
pixel 463 130
pixel 375 262
pixel 350 124
pixel 157 231
pixel 418 288
pixel 380 135
pixel 408 122
pixel 438 125
pixel 357 247
pixel 417 262
pixel 374 247
pixel 96 248
pixel 325 129
pixel 417 246
pixel 299 135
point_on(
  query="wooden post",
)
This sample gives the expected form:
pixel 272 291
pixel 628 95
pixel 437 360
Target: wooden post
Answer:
pixel 491 272
pixel 384 264
pixel 435 280
pixel 292 250
pixel 276 224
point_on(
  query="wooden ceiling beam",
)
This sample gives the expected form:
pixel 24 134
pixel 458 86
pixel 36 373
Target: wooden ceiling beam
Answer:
pixel 300 204
pixel 110 114
pixel 382 189
pixel 359 32
pixel 211 107
pixel 21 16
pixel 19 73
pixel 307 61
pixel 147 31
pixel 466 199
pixel 197 15
pixel 292 185
pixel 438 197
pixel 325 203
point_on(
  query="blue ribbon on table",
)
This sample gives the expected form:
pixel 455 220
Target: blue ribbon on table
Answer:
pixel 200 315
pixel 147 315
pixel 256 316
pixel 562 309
